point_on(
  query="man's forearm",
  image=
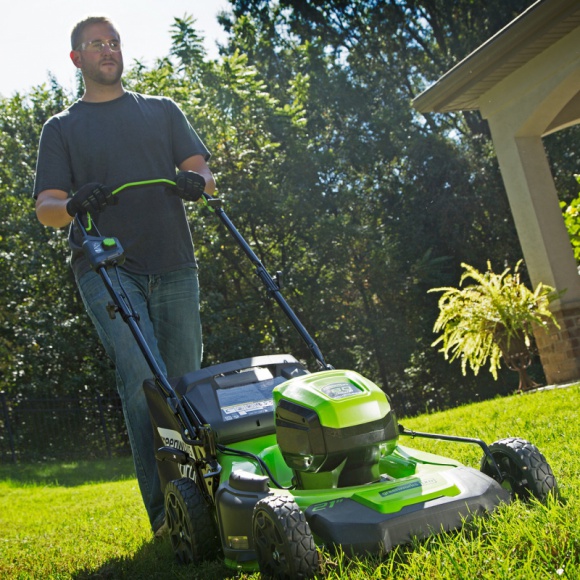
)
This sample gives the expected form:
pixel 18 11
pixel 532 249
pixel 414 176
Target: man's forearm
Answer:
pixel 51 208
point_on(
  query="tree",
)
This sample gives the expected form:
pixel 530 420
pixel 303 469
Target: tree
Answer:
pixel 571 214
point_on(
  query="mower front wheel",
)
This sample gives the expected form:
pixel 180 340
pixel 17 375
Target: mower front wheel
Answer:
pixel 192 529
pixel 524 470
pixel 282 538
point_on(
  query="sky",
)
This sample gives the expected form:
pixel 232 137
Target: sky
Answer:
pixel 35 37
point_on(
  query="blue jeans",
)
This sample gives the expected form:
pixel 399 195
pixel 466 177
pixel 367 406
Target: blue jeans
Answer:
pixel 168 309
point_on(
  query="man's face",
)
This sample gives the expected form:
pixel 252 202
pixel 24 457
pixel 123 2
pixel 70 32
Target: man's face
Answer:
pixel 104 67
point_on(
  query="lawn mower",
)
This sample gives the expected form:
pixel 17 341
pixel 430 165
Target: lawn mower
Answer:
pixel 264 462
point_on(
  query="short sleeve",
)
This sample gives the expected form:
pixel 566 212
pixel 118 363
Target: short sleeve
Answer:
pixel 185 140
pixel 53 170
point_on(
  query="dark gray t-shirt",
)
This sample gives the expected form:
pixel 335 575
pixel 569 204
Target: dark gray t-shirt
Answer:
pixel 133 138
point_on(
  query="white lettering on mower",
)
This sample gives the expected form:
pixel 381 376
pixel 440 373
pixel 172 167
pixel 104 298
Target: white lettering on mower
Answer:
pixel 172 438
pixel 400 488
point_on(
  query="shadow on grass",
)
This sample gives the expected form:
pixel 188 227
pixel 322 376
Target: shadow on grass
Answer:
pixel 156 561
pixel 70 473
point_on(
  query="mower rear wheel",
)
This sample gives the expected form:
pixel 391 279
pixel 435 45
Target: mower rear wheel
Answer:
pixel 282 538
pixel 192 528
pixel 524 470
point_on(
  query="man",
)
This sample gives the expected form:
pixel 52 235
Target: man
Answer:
pixel 108 138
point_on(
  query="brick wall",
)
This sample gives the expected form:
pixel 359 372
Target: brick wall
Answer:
pixel 559 348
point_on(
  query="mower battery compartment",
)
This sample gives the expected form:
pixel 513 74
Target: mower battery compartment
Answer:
pixel 332 427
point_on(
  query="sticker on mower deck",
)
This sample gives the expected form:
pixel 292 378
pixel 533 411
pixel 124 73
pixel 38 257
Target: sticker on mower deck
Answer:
pixel 173 438
pixel 252 399
pixel 400 488
pixel 340 390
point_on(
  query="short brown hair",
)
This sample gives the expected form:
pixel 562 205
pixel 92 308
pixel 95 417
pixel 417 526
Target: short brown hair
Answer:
pixel 77 31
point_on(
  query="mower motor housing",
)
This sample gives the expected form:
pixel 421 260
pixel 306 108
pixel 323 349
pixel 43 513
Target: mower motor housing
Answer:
pixel 332 428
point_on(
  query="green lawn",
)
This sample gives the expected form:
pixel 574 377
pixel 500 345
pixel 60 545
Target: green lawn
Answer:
pixel 86 520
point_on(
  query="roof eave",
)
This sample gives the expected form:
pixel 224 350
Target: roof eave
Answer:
pixel 458 90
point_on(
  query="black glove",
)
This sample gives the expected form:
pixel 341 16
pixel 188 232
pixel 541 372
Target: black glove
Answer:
pixel 91 197
pixel 189 185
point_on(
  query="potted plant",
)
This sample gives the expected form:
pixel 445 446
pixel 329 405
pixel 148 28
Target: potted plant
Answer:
pixel 493 318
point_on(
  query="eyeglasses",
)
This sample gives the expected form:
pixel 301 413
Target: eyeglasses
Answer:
pixel 99 45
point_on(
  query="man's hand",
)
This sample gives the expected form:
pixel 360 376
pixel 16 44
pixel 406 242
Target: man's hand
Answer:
pixel 91 197
pixel 189 185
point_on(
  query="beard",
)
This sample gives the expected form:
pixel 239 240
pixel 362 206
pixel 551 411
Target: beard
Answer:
pixel 104 75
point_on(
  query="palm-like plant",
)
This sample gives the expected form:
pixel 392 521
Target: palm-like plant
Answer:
pixel 493 318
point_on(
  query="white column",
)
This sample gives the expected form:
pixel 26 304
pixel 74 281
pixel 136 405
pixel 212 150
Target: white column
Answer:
pixel 520 109
pixel 536 211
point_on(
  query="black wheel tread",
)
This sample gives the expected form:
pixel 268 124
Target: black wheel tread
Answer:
pixel 303 557
pixel 203 541
pixel 537 476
